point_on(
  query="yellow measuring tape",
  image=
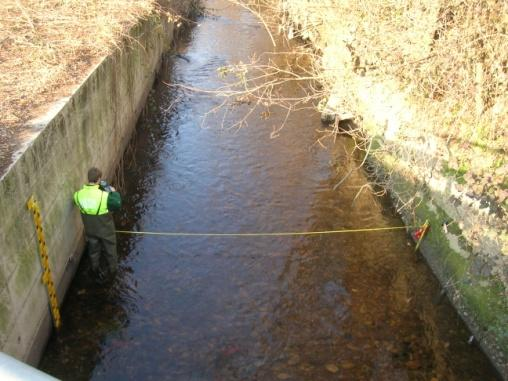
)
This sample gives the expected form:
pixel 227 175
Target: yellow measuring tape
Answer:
pixel 47 278
pixel 275 234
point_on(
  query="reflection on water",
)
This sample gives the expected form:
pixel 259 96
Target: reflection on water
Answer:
pixel 345 307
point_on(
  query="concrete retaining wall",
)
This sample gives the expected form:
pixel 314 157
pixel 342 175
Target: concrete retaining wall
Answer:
pixel 92 127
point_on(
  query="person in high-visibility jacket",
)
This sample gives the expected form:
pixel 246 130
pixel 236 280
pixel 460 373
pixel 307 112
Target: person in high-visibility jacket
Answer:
pixel 95 201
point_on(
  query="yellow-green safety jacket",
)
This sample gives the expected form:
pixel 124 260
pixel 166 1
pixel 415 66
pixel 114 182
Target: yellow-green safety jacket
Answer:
pixel 92 200
pixel 95 205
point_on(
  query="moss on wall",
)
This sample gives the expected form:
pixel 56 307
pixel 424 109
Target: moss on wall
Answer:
pixel 479 297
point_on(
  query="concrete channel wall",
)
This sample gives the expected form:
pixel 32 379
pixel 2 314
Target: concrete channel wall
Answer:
pixel 90 128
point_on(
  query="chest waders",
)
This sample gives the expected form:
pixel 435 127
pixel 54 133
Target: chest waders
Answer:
pixel 99 228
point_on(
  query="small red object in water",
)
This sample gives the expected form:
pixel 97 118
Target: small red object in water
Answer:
pixel 417 234
pixel 230 350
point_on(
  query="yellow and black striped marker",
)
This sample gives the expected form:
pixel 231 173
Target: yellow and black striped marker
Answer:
pixel 47 278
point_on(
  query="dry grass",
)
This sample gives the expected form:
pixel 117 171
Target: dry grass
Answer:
pixel 450 55
pixel 46 45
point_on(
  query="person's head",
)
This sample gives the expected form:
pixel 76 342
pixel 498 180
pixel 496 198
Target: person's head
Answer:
pixel 94 175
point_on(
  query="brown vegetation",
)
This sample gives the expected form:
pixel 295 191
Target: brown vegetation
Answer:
pixel 450 60
pixel 46 45
pixel 452 55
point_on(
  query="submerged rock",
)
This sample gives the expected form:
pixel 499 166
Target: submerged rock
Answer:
pixel 332 368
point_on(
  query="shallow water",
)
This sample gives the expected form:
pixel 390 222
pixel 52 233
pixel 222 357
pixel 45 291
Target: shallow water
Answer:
pixel 344 307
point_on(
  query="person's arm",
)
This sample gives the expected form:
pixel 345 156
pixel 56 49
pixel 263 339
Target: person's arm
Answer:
pixel 114 201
